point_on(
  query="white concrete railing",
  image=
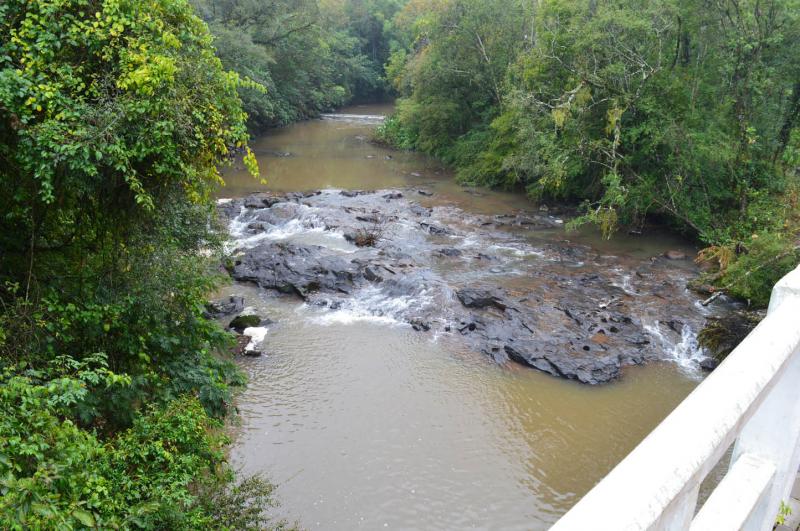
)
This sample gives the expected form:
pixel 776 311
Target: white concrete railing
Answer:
pixel 752 400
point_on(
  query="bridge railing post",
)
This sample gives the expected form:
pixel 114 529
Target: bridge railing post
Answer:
pixel 772 433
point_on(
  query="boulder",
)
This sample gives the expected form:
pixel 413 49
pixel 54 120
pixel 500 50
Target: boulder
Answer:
pixel 479 298
pixel 297 269
pixel 243 322
pixel 224 308
pixel 552 359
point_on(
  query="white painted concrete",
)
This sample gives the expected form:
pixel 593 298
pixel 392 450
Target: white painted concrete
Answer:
pixel 752 399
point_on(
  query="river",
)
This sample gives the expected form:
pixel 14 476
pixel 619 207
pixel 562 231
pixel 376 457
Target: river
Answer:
pixel 365 423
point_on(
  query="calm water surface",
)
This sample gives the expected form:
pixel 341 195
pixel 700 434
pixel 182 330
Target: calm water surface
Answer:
pixel 366 424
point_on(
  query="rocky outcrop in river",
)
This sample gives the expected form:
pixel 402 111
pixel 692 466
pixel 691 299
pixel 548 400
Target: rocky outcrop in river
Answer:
pixel 505 285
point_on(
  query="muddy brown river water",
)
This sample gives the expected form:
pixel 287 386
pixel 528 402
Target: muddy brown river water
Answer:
pixel 365 423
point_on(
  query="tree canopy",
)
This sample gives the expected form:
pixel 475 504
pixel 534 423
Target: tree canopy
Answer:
pixel 683 111
pixel 113 118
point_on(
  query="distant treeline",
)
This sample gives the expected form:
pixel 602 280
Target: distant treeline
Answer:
pixel 305 56
pixel 683 110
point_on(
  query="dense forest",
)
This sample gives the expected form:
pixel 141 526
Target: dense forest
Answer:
pixel 685 112
pixel 116 114
pixel 302 57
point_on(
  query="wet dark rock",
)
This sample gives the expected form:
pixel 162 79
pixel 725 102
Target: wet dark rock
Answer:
pixel 571 365
pixel 526 220
pixel 674 325
pixel 372 274
pixel 294 196
pixel 419 325
pixel 224 308
pixel 708 364
pixel 243 322
pixel 241 345
pixel 449 251
pixel 425 193
pixel 297 269
pixel 353 193
pixel 421 211
pixel 434 229
pixel 392 195
pixel 252 353
pixel 368 218
pixel 475 298
pixel 256 201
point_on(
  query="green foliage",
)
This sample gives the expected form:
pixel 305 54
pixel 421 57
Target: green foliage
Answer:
pixel 723 334
pixel 784 512
pixel 635 109
pixel 53 474
pixel 242 505
pixel 113 118
pixel 765 260
pixel 392 132
pixel 303 57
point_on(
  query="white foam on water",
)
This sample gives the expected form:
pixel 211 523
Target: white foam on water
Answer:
pixel 517 250
pixel 371 304
pixel 624 283
pixel 256 335
pixel 308 227
pixel 687 352
pixel 354 118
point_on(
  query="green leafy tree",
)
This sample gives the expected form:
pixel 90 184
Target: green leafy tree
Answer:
pixel 680 111
pixel 114 116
